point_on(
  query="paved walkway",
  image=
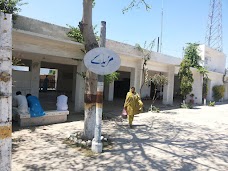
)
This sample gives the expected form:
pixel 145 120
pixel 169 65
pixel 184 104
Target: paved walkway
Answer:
pixel 175 140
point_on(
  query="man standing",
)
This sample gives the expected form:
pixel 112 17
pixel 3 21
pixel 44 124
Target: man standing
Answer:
pixel 20 105
pixel 45 84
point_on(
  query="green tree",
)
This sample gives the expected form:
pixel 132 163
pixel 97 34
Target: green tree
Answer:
pixel 218 92
pixel 90 43
pixel 191 53
pixel 146 55
pixel 11 7
pixel 186 78
pixel 158 80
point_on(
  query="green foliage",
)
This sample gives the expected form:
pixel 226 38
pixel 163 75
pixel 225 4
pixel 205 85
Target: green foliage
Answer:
pixel 11 6
pixel 154 109
pixel 212 104
pixel 16 62
pixel 191 54
pixel 159 80
pixel 218 92
pixel 203 71
pixel 82 74
pixel 111 77
pixel 76 34
pixel 186 105
pixel 186 78
pixel 52 72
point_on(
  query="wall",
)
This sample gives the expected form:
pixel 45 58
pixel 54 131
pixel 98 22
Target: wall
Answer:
pixel 36 26
pixel 214 60
pixel 215 79
pixel 65 81
pixel 145 91
pixel 226 91
pixel 197 87
pixel 21 82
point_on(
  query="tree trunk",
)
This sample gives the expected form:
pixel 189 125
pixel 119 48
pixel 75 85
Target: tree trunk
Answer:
pixel 144 76
pixel 5 90
pixel 86 28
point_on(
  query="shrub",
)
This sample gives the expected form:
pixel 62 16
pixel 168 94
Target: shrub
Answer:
pixel 218 92
pixel 212 104
pixel 154 109
pixel 186 105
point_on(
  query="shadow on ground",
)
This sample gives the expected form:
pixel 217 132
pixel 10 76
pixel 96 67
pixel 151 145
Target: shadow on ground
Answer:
pixel 153 144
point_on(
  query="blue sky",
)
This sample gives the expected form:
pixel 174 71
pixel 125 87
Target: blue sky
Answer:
pixel 184 20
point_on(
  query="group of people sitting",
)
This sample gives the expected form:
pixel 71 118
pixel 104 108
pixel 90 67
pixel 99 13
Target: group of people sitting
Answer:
pixel 30 105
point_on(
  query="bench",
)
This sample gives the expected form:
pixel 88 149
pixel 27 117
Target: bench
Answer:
pixel 50 117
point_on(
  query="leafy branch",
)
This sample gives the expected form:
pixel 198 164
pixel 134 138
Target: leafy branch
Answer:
pixel 146 55
pixel 11 6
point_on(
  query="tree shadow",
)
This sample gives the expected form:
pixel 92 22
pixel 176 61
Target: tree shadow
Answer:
pixel 153 145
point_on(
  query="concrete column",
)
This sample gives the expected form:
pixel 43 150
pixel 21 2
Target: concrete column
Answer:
pixel 197 87
pixel 5 91
pixel 136 77
pixel 132 77
pixel 35 77
pixel 80 88
pixel 109 91
pixel 74 83
pixel 168 89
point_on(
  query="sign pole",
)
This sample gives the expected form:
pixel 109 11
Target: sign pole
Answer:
pixel 97 145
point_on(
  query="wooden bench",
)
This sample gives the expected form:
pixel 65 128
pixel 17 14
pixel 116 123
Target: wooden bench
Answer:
pixel 50 117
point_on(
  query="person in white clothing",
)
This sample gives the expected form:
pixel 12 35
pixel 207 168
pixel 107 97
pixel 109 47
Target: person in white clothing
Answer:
pixel 62 103
pixel 20 106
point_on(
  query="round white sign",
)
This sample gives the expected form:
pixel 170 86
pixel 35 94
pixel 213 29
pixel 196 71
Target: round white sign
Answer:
pixel 102 61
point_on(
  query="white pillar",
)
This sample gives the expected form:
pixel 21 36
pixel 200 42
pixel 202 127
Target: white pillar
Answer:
pixel 35 77
pixel 109 91
pixel 168 89
pixel 80 88
pixel 197 87
pixel 5 91
pixel 132 78
pixel 74 82
pixel 136 77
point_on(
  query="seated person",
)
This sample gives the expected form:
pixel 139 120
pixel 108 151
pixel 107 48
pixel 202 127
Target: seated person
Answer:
pixel 20 105
pixel 35 108
pixel 62 103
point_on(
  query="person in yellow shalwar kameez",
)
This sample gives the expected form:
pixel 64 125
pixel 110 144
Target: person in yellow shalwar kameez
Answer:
pixel 133 105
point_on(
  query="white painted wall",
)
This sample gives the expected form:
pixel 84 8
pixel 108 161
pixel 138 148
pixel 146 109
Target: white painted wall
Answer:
pixel 215 79
pixel 214 60
pixel 145 91
pixel 197 87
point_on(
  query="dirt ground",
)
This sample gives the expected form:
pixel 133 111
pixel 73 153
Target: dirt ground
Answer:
pixel 173 140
